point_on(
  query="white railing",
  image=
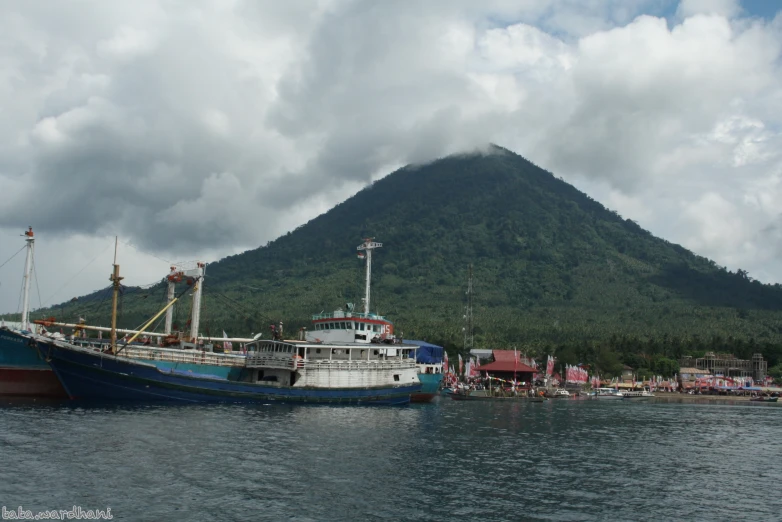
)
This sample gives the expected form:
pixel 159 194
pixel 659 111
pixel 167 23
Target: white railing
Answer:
pixel 265 361
pixel 261 360
pixel 347 315
pixel 182 356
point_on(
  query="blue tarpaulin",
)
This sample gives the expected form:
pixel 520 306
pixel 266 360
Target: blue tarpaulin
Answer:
pixel 427 353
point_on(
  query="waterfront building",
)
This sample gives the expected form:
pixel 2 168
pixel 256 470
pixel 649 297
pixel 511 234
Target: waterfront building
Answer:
pixel 691 373
pixel 728 365
pixel 508 365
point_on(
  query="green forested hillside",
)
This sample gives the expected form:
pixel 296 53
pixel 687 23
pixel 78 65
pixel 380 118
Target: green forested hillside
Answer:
pixel 553 270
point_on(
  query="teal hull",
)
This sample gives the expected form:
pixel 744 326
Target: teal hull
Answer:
pixel 430 385
pixel 15 352
pixel 430 382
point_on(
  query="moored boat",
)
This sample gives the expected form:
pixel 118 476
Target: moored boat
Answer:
pixel 464 394
pixel 350 326
pixel 375 369
pixel 560 394
pixel 637 395
pixel 429 358
pixel 762 398
pixel 606 393
pixel 22 371
pixel 272 371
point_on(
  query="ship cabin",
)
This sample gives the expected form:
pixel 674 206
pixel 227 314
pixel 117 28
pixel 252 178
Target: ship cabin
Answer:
pixel 350 327
pixel 285 362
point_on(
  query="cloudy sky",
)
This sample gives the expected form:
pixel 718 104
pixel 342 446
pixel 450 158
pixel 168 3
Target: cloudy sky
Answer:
pixel 196 129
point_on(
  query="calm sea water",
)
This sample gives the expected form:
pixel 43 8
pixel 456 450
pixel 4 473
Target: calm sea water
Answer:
pixel 568 460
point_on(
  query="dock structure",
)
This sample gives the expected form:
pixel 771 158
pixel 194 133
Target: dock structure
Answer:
pixel 728 365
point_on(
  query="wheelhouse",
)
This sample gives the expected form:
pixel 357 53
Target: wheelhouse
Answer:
pixel 350 327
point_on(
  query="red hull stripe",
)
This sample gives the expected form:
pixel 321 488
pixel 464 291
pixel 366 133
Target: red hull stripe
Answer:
pixel 30 383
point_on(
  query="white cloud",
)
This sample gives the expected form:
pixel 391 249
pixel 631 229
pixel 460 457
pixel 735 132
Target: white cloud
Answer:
pixel 126 43
pixel 197 129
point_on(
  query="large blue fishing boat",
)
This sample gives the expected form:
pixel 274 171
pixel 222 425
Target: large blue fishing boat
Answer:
pixel 375 371
pixel 272 370
pixel 22 371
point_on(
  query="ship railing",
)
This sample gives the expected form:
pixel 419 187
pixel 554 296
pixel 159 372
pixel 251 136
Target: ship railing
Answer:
pixel 347 315
pixel 341 364
pixel 182 356
pixel 254 360
pixel 265 361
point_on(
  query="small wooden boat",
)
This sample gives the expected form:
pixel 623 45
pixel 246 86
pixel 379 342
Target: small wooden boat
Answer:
pixel 606 393
pixel 489 395
pixel 637 395
pixel 560 394
pixel 764 399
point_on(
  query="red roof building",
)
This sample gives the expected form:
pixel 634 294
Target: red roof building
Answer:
pixel 507 365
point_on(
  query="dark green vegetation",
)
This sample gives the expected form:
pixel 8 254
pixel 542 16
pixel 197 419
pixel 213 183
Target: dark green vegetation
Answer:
pixel 554 270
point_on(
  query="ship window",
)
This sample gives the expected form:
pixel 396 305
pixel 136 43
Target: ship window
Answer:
pixel 343 326
pixel 317 350
pixel 396 376
pixel 375 327
pixel 375 352
pixel 361 326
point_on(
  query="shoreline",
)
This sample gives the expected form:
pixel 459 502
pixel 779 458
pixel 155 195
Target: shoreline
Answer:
pixel 683 398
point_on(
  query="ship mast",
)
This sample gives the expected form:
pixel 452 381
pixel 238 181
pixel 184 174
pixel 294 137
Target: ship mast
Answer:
pixel 368 246
pixel 171 295
pixel 28 268
pixel 195 317
pixel 115 279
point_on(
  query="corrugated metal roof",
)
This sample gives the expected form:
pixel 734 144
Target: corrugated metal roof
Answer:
pixel 506 366
pixel 694 370
pixel 504 361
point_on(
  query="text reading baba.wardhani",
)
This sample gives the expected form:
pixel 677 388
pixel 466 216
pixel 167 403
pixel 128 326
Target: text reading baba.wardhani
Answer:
pixel 75 513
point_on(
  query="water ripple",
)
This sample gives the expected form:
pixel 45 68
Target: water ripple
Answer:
pixel 559 461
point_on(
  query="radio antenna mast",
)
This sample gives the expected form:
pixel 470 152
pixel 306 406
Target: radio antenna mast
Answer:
pixel 468 324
